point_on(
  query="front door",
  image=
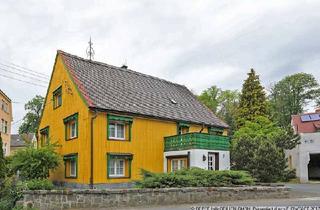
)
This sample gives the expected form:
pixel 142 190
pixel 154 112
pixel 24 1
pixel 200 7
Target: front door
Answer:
pixel 213 161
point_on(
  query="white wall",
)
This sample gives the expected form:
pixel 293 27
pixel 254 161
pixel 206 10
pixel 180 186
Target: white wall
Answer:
pixel 196 158
pixel 310 144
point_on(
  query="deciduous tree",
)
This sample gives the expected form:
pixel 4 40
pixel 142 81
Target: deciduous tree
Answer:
pixel 291 95
pixel 31 119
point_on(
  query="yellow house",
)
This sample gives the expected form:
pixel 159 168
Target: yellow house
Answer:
pixel 5 122
pixel 111 122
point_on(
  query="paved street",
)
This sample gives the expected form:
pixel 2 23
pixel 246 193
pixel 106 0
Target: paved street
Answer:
pixel 301 195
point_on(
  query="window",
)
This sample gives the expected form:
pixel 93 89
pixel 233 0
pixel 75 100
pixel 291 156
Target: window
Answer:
pixel 71 165
pixel 116 131
pixel 4 106
pixel 5 127
pixel 119 127
pixel 44 136
pixel 119 165
pixel 2 126
pixel 71 127
pixel 215 131
pixel 183 128
pixel 57 97
pixel 178 164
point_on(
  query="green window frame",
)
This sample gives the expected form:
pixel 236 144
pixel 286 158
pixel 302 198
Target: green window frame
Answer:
pixel 119 120
pixel 70 157
pixel 56 95
pixel 68 122
pixel 44 132
pixel 125 156
pixel 215 131
pixel 181 125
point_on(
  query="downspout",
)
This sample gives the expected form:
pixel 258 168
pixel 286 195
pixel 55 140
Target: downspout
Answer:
pixel 91 149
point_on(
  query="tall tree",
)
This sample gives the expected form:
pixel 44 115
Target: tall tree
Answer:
pixel 291 95
pixel 31 119
pixel 223 103
pixel 252 100
pixel 210 98
pixel 228 106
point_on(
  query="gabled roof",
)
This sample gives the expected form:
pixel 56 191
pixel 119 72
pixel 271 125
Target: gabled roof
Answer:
pixel 19 140
pixel 111 88
pixel 301 126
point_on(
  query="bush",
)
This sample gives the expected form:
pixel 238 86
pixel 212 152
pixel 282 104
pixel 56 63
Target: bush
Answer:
pixel 38 184
pixel 35 163
pixel 10 193
pixel 194 177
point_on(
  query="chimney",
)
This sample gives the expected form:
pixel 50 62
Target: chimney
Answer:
pixel 318 109
pixel 124 66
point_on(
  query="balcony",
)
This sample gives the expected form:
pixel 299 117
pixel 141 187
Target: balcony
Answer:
pixel 196 141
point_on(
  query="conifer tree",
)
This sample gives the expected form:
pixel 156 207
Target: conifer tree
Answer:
pixel 252 100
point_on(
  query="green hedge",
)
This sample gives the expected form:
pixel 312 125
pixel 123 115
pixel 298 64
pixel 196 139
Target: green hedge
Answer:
pixel 38 184
pixel 194 177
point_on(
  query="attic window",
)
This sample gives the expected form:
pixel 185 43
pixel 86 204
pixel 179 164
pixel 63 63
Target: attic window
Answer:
pixel 173 101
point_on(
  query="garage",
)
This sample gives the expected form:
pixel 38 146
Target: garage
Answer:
pixel 314 167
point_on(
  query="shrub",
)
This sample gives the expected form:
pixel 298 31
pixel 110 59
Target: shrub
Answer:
pixel 38 184
pixel 10 193
pixel 35 163
pixel 194 177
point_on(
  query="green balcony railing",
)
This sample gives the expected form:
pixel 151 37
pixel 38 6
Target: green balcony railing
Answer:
pixel 196 141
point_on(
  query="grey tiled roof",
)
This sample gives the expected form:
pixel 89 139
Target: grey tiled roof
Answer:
pixel 19 140
pixel 122 90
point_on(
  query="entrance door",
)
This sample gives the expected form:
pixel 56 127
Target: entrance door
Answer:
pixel 213 161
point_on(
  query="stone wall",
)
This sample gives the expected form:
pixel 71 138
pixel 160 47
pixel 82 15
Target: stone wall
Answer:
pixel 108 198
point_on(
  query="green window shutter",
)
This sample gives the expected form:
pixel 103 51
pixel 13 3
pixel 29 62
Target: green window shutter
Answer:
pixel 126 120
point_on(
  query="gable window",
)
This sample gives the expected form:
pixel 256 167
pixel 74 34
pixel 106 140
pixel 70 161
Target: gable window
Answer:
pixel 71 165
pixel 44 136
pixel 119 165
pixel 71 126
pixel 182 128
pixel 57 97
pixel 119 127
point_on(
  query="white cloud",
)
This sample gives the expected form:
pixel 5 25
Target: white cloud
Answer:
pixel 196 43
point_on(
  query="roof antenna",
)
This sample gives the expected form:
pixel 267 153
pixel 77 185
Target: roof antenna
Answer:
pixel 90 51
pixel 124 65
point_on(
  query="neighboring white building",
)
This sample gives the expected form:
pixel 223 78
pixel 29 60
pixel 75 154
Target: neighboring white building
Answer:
pixel 305 157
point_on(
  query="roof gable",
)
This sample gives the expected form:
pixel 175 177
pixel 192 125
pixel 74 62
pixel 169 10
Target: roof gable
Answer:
pixel 122 90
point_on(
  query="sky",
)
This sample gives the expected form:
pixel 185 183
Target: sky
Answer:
pixel 195 43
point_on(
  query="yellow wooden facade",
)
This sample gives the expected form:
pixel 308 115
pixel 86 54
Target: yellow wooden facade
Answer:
pixel 146 144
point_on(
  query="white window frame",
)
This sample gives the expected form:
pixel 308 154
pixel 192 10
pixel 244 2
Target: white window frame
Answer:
pixel 180 165
pixel 75 168
pixel 116 131
pixel 116 163
pixel 71 124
